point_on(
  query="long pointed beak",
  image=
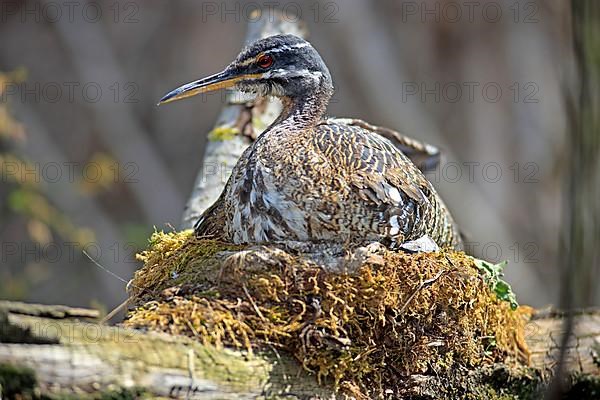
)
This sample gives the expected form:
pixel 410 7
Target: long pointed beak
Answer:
pixel 222 80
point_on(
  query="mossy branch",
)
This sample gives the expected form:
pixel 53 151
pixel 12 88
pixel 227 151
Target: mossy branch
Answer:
pixel 83 358
pixel 207 355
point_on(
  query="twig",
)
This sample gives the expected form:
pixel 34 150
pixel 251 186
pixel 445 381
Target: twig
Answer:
pixel 422 285
pixel 127 284
pixel 253 304
pixel 105 269
pixel 114 312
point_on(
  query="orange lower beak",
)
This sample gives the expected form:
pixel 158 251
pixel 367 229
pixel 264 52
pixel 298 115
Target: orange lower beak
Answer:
pixel 222 80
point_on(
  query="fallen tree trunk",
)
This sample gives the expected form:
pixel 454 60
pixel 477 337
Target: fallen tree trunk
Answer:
pixel 56 350
pixel 60 353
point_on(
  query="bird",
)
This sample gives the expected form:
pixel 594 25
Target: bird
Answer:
pixel 312 178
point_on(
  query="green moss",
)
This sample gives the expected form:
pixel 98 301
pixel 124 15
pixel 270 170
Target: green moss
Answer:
pixel 502 383
pixel 10 333
pixel 20 383
pixel 120 394
pixel 583 387
pixel 223 133
pixel 175 259
pixel 393 315
pixel 16 382
pixel 528 384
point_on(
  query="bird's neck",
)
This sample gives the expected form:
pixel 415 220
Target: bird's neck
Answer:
pixel 304 111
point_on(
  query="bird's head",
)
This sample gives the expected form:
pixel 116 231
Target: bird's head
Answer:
pixel 280 65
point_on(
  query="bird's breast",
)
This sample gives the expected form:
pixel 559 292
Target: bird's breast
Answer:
pixel 287 194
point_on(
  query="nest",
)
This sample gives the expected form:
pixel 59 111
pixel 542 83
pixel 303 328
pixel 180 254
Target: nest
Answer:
pixel 381 316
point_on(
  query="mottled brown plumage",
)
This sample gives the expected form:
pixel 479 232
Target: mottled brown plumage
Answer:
pixel 307 178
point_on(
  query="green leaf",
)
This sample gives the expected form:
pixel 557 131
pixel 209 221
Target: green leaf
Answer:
pixel 492 274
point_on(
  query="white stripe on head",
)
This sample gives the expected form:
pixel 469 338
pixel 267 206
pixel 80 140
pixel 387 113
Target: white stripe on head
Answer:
pixel 294 73
pixel 286 47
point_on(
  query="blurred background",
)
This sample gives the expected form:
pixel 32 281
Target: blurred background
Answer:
pixel 90 163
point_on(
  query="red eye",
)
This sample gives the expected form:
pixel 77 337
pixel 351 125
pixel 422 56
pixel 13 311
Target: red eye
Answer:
pixel 264 61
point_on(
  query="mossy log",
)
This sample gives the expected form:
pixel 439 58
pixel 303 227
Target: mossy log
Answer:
pixel 58 351
pixel 190 286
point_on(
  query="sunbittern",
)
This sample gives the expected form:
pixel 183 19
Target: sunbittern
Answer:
pixel 308 178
